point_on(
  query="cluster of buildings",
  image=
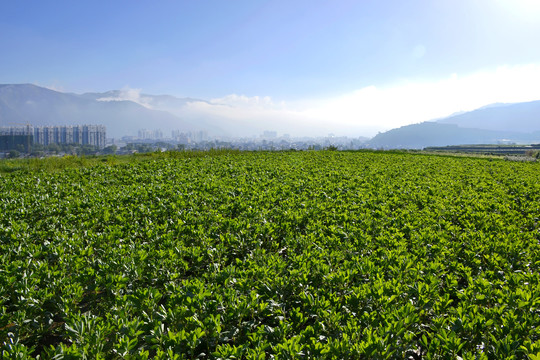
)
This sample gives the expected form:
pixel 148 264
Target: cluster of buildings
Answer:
pixel 145 134
pixel 267 140
pixel 23 137
pixel 189 137
pixel 176 135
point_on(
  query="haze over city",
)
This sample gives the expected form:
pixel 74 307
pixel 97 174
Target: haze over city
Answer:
pixel 347 67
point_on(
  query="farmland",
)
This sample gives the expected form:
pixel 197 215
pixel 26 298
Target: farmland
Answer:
pixel 263 255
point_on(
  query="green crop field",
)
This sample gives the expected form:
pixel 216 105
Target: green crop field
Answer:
pixel 256 255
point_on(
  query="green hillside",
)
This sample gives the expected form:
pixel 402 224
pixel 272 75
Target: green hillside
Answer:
pixel 257 255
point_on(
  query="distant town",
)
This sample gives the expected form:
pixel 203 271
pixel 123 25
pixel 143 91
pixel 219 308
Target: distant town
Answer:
pixel 39 141
pixel 267 140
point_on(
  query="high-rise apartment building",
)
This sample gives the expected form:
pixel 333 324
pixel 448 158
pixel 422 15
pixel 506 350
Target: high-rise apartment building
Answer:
pixel 94 135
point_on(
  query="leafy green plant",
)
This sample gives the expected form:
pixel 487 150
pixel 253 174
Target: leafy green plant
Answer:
pixel 224 254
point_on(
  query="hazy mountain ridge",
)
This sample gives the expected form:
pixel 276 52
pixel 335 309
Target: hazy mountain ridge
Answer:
pixel 517 117
pixel 124 112
pixel 418 136
pixel 26 103
pixel 491 124
pixel 167 103
pixel 157 102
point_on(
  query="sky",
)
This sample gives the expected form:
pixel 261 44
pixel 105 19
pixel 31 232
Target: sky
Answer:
pixel 342 66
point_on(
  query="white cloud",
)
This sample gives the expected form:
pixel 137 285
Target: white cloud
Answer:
pixel 129 94
pixel 371 109
pixel 242 100
pixel 245 116
pixel 53 87
pixel 363 112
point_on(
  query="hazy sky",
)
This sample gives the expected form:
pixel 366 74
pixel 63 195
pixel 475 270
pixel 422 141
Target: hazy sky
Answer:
pixel 357 66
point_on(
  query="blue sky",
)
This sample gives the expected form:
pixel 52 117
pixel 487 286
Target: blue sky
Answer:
pixel 305 60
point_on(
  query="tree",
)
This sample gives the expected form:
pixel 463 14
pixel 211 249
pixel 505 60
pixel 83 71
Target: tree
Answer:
pixel 110 149
pixel 55 148
pixel 14 154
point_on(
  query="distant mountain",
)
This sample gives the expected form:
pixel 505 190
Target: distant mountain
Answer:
pixel 124 112
pixel 418 136
pixel 518 117
pixel 491 124
pixel 26 103
pixel 171 104
pixel 158 102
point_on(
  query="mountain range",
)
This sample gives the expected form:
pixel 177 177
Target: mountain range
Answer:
pixel 124 112
pixel 38 106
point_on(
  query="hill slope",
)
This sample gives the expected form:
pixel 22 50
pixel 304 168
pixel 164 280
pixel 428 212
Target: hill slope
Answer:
pixel 519 117
pixel 32 104
pixel 418 136
pixel 495 123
